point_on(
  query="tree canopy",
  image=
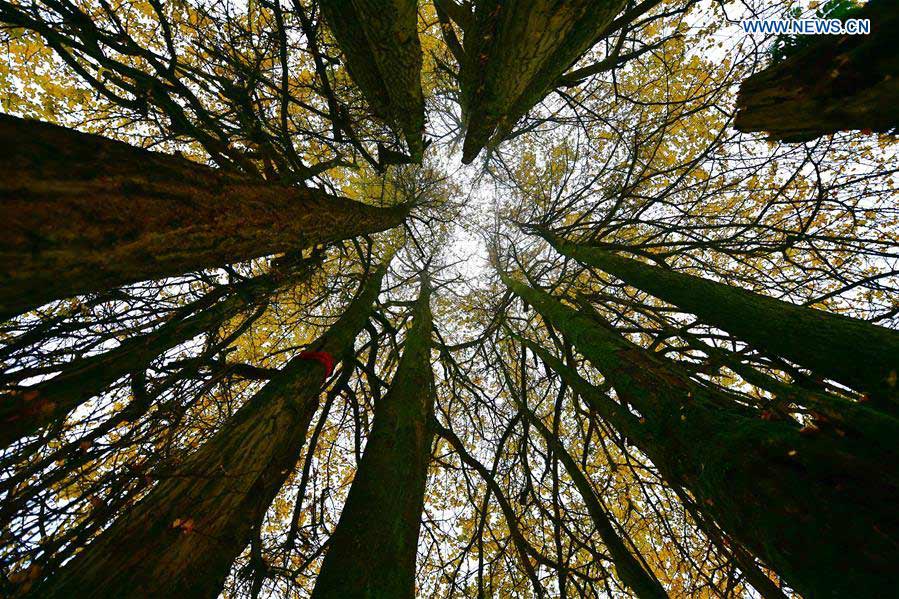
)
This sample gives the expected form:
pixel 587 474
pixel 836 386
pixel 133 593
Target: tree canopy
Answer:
pixel 449 298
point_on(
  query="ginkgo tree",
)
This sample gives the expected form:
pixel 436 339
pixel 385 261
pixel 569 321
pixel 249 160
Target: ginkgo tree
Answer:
pixel 456 298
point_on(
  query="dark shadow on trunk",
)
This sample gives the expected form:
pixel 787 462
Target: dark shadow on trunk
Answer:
pixel 383 57
pixel 835 83
pixel 773 488
pixel 512 56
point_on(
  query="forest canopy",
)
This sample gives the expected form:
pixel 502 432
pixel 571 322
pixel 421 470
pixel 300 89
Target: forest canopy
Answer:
pixel 447 298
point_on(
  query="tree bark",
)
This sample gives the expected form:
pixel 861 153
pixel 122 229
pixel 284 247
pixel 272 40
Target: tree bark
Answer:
pixel 836 83
pixel 514 53
pixel 383 57
pixel 856 353
pixel 180 540
pixel 83 213
pixel 26 410
pixel 626 423
pixel 372 551
pixel 775 489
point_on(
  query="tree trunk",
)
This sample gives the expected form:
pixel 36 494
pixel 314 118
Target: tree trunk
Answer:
pixel 836 83
pixel 372 551
pixel 775 489
pixel 180 540
pixel 383 57
pixel 856 353
pixel 626 423
pixel 514 52
pixel 83 213
pixel 26 410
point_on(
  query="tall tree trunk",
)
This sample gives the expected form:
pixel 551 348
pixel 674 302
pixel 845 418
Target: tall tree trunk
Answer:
pixel 836 83
pixel 856 353
pixel 514 52
pixel 630 571
pixel 372 551
pixel 775 489
pixel 83 213
pixel 180 540
pixel 383 57
pixel 627 424
pixel 28 409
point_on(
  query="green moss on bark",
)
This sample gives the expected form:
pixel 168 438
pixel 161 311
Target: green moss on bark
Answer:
pixel 856 353
pixel 775 489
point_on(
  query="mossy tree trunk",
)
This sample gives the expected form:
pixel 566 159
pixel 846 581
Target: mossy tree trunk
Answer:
pixel 514 52
pixel 372 551
pixel 771 487
pixel 835 83
pixel 383 57
pixel 856 353
pixel 180 540
pixel 83 213
pixel 628 425
pixel 26 410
